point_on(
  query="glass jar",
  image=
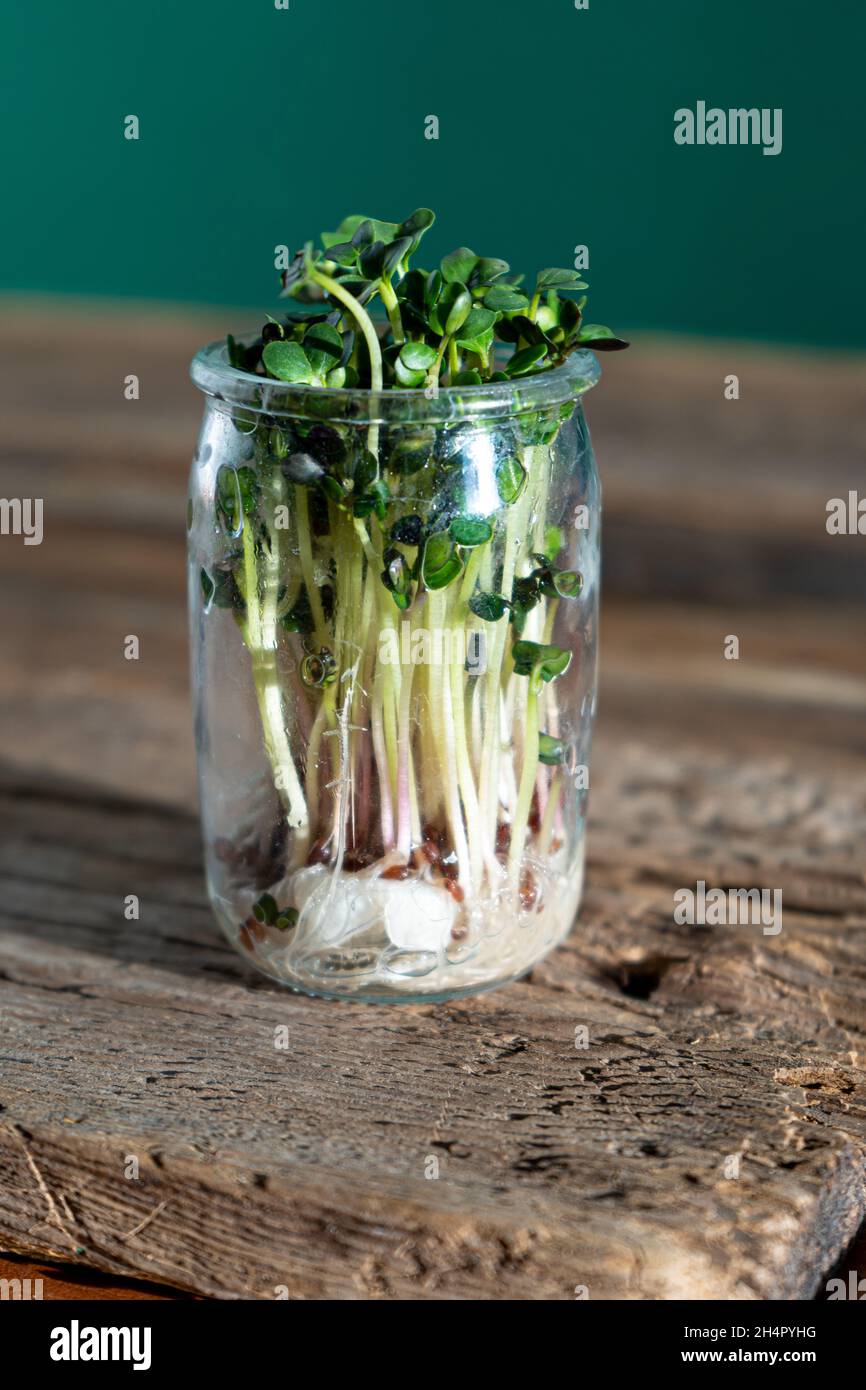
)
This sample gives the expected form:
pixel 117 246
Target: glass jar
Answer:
pixel 394 603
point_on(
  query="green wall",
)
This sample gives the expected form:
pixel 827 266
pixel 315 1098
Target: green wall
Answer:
pixel 261 126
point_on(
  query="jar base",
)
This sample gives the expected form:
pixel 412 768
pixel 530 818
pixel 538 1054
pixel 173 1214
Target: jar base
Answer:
pixel 370 967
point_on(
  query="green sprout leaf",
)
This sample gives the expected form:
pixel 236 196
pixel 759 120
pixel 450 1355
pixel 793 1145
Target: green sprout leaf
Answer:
pixel 487 269
pixel 332 488
pixel 438 550
pixel 568 317
pixel 476 335
pixel 250 489
pixel 300 617
pixel 292 278
pixel 418 223
pixel 551 751
pixel 567 583
pixel 344 253
pixel 444 576
pixel 490 607
pixel 408 530
pixel 451 309
pixel 265 910
pixel 394 254
pixel 559 279
pixel 323 347
pixel 412 451
pixel 548 661
pixel 372 260
pixel 236 354
pixel 408 376
pixel 433 286
pixel 510 479
pixel 525 359
pixel 418 357
pixel 411 296
pixel 364 233
pixel 397 576
pixel 441 563
pixel 458 311
pixel 600 339
pixel 237 491
pixel 555 583
pixel 458 265
pixel 526 592
pixel 376 498
pixel 505 300
pixel 343 232
pixel 363 470
pixel 361 231
pixel 288 362
pixel 470 530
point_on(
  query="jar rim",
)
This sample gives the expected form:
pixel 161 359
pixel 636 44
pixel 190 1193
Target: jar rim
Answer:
pixel 212 372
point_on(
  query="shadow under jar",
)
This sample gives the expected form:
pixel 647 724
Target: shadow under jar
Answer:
pixel 394 609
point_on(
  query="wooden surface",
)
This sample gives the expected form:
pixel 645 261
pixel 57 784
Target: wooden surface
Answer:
pixel 560 1167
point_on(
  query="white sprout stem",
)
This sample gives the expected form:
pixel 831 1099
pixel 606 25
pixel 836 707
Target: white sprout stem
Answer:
pixel 392 308
pixel 386 808
pixel 548 820
pixel 305 554
pixel 465 778
pixel 390 693
pixel 441 714
pixel 404 762
pixel 527 783
pixel 313 749
pixel 261 639
pixel 482 852
pixel 514 531
pixel 371 338
pixel 361 697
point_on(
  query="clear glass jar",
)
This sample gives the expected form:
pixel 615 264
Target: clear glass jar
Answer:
pixel 394 603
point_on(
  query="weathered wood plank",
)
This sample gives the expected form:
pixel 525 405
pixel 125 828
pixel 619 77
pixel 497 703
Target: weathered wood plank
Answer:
pixel 559 1165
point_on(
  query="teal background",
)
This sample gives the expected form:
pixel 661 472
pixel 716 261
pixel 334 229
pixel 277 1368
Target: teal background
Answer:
pixel 261 126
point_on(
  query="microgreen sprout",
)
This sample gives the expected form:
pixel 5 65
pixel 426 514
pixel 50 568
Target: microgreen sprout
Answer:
pixel 431 770
pixel 441 325
pixel 266 912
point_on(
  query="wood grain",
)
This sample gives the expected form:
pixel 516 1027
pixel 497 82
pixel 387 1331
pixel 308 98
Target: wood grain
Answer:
pixel 560 1166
